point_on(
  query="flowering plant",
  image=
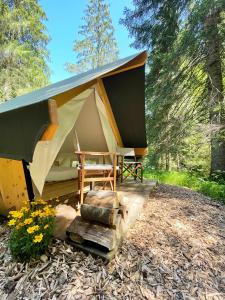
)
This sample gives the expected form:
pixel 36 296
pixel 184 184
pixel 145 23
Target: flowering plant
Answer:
pixel 32 229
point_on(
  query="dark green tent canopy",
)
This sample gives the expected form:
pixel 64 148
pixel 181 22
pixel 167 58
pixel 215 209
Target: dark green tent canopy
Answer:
pixel 24 119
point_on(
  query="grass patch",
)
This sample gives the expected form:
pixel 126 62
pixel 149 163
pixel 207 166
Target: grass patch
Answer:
pixel 206 187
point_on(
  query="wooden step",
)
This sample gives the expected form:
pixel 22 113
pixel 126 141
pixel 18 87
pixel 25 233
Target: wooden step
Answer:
pixel 99 214
pixel 95 250
pixel 107 199
pixel 82 230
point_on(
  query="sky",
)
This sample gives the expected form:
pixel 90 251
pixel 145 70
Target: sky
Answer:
pixel 64 19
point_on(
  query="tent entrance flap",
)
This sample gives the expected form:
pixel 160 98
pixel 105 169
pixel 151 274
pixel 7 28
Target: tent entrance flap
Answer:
pixel 84 114
pixel 46 151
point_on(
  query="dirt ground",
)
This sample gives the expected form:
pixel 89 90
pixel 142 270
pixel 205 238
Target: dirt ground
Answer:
pixel 176 250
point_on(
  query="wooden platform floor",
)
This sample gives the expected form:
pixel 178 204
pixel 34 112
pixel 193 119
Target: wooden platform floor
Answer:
pixel 57 189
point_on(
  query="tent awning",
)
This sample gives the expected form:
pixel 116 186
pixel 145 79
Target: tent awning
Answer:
pixel 24 119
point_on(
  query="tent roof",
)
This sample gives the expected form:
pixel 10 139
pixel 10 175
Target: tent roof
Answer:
pixel 62 86
pixel 24 119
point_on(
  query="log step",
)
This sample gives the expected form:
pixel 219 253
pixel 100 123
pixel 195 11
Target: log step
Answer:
pixel 95 250
pixel 82 230
pixel 107 199
pixel 103 215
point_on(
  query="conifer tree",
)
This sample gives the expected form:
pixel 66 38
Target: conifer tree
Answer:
pixel 23 41
pixel 97 45
pixel 185 82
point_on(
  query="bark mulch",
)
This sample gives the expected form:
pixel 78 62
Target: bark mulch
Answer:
pixel 176 250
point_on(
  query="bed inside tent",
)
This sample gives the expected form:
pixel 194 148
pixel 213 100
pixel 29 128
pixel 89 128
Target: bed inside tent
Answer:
pixel 83 125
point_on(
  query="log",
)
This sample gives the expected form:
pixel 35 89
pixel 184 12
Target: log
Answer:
pixel 123 211
pixel 89 231
pixel 117 223
pixel 76 237
pixel 107 199
pixel 95 251
pixel 103 215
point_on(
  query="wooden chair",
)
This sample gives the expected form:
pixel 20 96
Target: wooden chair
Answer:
pixel 96 172
pixel 130 166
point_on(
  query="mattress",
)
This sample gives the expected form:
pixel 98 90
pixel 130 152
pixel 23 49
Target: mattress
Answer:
pixel 59 173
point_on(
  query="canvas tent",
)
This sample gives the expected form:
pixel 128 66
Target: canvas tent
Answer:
pixel 85 116
pixel 100 109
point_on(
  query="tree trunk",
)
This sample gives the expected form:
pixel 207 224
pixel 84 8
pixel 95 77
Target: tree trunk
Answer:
pixel 178 162
pixel 167 161
pixel 216 98
pixel 161 162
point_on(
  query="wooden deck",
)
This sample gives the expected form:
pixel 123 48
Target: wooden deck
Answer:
pixel 58 189
pixel 131 188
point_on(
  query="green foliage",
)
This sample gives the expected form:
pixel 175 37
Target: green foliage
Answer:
pixel 32 230
pixel 209 188
pixel 97 45
pixel 23 41
pixel 182 91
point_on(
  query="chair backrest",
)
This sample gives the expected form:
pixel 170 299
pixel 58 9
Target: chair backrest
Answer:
pixel 125 151
pixel 128 153
pixel 89 158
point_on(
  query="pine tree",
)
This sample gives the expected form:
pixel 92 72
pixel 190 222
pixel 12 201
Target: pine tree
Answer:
pixel 97 45
pixel 185 92
pixel 23 42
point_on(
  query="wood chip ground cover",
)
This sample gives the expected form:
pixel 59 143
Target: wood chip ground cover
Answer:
pixel 176 250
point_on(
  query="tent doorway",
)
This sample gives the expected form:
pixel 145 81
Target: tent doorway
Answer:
pixel 54 162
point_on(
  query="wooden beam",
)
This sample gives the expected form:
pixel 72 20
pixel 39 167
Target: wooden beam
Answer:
pixel 135 63
pixel 103 95
pixel 124 69
pixel 141 151
pixel 98 179
pixel 67 96
pixel 50 131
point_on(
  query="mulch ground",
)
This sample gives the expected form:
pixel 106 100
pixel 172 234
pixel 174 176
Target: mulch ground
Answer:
pixel 176 250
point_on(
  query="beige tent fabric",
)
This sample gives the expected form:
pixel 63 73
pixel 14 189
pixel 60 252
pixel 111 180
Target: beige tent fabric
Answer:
pixel 86 115
pixel 46 151
pixel 92 127
pixel 89 129
pixel 108 133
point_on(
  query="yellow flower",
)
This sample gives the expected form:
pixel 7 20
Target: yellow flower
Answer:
pixel 24 209
pixel 40 201
pixel 18 226
pixel 36 213
pixel 38 238
pixel 28 221
pixel 16 214
pixel 12 212
pixel 19 215
pixel 32 229
pixel 48 211
pixel 12 222
pixel 46 226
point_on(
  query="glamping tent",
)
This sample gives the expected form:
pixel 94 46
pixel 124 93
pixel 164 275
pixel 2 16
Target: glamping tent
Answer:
pixel 99 110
